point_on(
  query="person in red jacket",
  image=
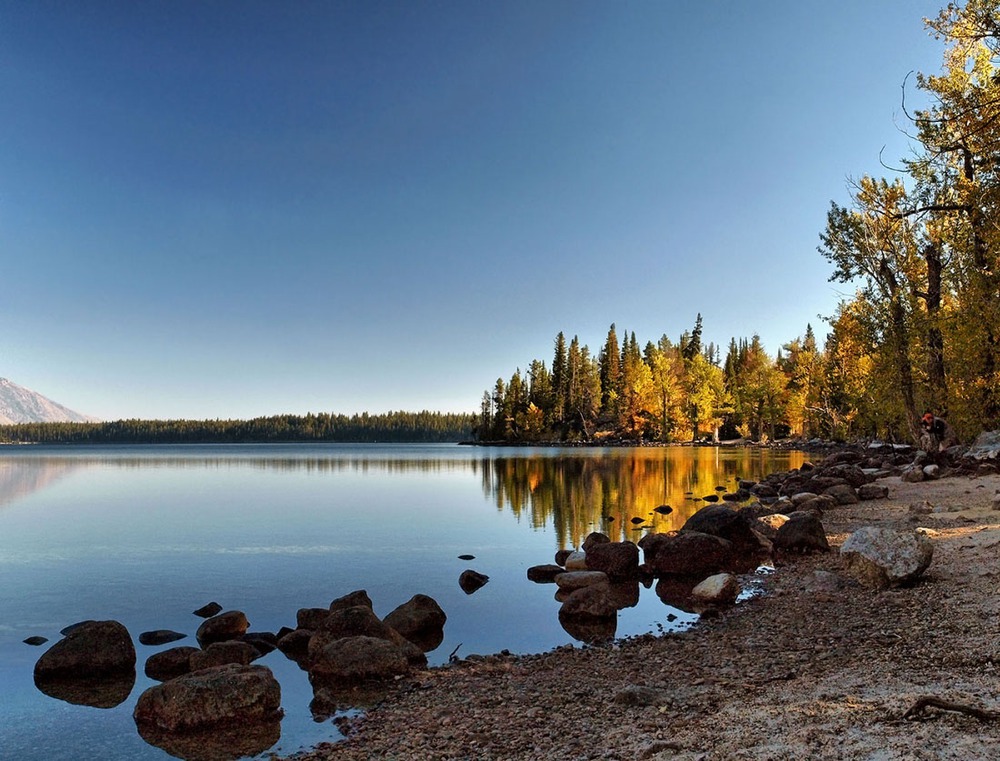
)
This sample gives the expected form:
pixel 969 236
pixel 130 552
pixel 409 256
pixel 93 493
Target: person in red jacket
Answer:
pixel 938 435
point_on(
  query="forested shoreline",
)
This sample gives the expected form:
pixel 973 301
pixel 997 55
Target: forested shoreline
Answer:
pixel 409 427
pixel 920 333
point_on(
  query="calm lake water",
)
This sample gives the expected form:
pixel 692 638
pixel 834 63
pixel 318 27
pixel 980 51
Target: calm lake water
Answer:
pixel 145 535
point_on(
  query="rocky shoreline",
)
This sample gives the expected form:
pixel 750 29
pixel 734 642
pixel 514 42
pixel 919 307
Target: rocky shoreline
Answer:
pixel 821 666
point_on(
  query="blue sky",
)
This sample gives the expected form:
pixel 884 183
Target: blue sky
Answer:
pixel 232 209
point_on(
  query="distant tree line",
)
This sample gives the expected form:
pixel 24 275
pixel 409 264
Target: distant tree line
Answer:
pixel 359 428
pixel 920 333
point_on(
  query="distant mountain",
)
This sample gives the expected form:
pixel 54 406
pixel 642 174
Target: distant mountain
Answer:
pixel 22 405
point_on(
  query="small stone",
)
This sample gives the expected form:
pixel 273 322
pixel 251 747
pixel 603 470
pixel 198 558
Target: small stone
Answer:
pixel 208 610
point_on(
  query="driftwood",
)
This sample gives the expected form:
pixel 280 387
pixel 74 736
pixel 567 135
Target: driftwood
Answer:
pixel 919 709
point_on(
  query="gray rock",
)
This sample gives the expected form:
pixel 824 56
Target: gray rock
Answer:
pixel 932 472
pixel 985 447
pixel 882 557
pixel 912 475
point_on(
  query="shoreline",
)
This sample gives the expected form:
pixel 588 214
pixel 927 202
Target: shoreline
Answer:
pixel 816 667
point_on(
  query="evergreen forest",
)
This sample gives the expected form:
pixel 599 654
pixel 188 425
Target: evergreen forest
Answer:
pixel 920 246
pixel 360 428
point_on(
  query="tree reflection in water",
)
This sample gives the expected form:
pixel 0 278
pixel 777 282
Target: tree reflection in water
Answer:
pixel 606 489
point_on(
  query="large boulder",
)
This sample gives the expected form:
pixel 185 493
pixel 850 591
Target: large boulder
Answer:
pixel 802 533
pixel 726 523
pixel 232 624
pixel 420 620
pixel 986 447
pixel 93 649
pixel 222 695
pixel 356 659
pixel 883 557
pixel 619 560
pixel 687 553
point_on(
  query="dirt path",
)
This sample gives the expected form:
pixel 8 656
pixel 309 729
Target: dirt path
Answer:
pixel 817 668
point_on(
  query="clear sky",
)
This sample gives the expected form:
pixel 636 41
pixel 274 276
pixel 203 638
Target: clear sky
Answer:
pixel 232 209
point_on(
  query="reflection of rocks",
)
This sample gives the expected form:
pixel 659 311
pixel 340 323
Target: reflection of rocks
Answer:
pixel 215 743
pixel 330 698
pixel 588 629
pixel 91 649
pixel 169 664
pixel 214 696
pixel 676 592
pixel 94 691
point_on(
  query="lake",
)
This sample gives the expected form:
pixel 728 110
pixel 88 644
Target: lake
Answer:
pixel 147 534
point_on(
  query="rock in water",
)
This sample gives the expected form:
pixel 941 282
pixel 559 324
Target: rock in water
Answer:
pixel 92 649
pixel 230 625
pixel 882 557
pixel 208 610
pixel 220 695
pixel 471 581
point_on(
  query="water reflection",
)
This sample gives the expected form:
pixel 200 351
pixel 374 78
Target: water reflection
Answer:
pixel 620 491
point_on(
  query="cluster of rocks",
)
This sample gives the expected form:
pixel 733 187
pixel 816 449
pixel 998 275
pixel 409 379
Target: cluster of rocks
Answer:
pixel 698 568
pixel 214 694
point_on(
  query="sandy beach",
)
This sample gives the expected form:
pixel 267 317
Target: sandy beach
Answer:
pixel 816 667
